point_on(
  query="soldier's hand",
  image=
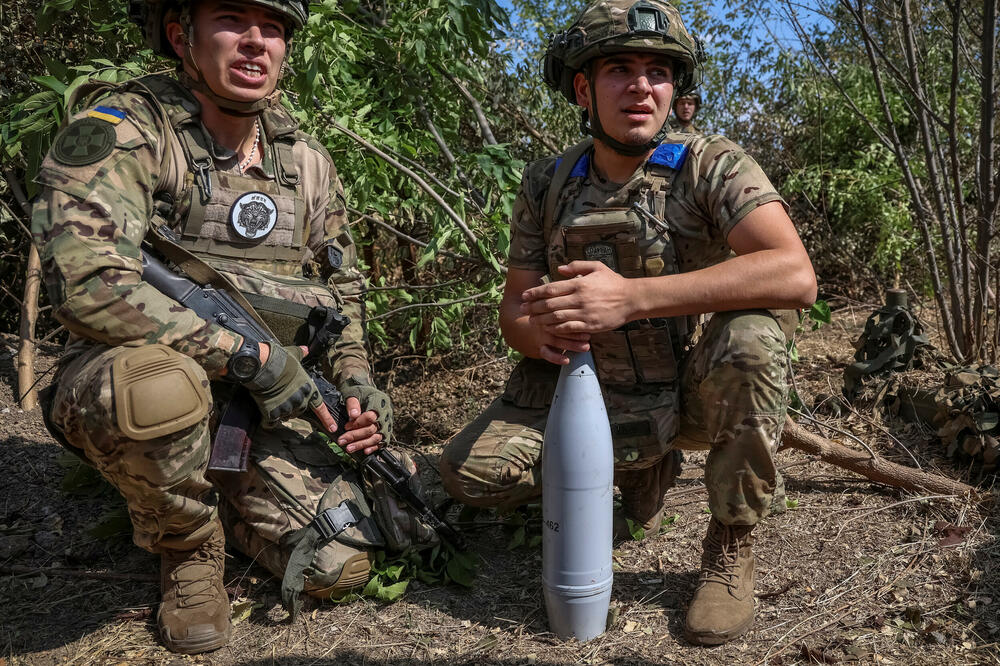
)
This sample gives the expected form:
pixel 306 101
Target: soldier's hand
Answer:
pixel 597 300
pixel 282 388
pixel 554 347
pixel 369 413
pixel 361 431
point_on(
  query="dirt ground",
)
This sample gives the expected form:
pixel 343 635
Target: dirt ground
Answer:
pixel 852 572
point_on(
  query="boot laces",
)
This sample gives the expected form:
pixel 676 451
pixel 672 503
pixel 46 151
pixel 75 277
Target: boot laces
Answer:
pixel 721 561
pixel 194 576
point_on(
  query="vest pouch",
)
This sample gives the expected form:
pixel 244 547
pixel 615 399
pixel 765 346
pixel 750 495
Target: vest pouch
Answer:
pixel 612 358
pixel 245 219
pixel 279 299
pixel 643 424
pixel 532 384
pixel 653 352
pixel 608 235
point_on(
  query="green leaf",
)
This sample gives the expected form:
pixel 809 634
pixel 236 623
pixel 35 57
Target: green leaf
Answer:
pixel 50 82
pixel 820 312
pixel 635 529
pixel 387 593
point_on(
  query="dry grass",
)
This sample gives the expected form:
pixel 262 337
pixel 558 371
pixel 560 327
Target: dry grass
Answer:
pixel 853 573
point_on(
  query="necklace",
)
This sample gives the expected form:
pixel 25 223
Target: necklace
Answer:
pixel 253 151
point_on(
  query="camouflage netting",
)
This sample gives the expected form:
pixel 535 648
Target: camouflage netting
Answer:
pixel 893 341
pixel 968 413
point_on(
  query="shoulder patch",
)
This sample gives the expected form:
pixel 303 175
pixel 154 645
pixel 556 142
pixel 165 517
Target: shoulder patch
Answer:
pixel 671 155
pixel 334 256
pixel 83 142
pixel 113 116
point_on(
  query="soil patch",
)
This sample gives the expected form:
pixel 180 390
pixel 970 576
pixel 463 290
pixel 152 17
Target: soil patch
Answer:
pixel 850 572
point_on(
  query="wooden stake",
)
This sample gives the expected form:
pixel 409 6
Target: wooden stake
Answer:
pixel 875 468
pixel 29 304
pixel 29 315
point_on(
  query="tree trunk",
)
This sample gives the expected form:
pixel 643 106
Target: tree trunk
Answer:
pixel 29 314
pixel 876 469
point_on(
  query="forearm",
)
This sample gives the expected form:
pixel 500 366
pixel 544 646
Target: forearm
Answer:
pixel 764 279
pixel 94 278
pixel 518 332
pixel 349 357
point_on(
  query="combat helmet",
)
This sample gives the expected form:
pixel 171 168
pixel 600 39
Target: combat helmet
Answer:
pixel 149 15
pixel 692 96
pixel 606 27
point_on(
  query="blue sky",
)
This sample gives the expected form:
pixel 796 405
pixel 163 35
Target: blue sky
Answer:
pixel 781 31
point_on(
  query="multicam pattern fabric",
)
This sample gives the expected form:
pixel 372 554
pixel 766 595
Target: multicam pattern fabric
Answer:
pixel 173 501
pixel 732 390
pixel 603 28
pixel 682 128
pixel 88 224
pixel 90 221
pixel 717 187
pixel 733 400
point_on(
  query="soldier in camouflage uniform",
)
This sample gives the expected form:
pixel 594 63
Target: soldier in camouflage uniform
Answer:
pixel 617 246
pixel 209 161
pixel 686 107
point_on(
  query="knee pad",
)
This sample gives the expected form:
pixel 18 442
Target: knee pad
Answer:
pixel 157 392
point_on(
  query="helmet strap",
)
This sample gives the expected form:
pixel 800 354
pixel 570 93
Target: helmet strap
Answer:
pixel 228 106
pixel 592 126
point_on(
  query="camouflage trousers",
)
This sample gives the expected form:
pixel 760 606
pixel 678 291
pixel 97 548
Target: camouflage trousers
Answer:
pixel 732 402
pixel 173 500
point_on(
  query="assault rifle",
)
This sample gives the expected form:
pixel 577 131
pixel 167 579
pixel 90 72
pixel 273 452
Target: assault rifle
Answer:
pixel 230 449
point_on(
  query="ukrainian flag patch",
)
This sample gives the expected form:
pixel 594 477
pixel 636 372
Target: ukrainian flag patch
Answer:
pixel 113 116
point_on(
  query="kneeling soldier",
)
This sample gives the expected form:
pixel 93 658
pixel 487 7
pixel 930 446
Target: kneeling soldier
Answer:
pixel 655 229
pixel 209 168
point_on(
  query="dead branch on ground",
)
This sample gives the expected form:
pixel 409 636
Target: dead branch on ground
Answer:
pixel 875 468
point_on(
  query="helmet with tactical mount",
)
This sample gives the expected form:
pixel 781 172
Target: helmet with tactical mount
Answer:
pixel 154 15
pixel 693 96
pixel 607 27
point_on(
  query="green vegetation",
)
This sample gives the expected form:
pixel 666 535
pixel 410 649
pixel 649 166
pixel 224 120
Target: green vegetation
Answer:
pixel 879 132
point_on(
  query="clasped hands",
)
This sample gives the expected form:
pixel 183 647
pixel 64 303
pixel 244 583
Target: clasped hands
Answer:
pixel 567 312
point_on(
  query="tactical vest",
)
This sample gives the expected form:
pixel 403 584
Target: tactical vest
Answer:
pixel 224 215
pixel 634 241
pixel 638 362
pixel 251 231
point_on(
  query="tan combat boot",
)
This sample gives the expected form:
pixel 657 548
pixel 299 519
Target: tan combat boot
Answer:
pixel 722 608
pixel 642 496
pixel 194 612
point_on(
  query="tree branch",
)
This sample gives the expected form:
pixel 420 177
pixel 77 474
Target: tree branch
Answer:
pixel 393 230
pixel 438 304
pixel 895 144
pixel 449 211
pixel 484 125
pixel 449 157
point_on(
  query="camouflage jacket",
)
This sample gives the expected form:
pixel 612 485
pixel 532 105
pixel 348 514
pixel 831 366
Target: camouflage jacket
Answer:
pixel 716 187
pixel 681 128
pixel 95 208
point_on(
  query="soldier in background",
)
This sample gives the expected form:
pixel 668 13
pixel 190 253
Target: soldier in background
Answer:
pixel 686 107
pixel 636 237
pixel 210 163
